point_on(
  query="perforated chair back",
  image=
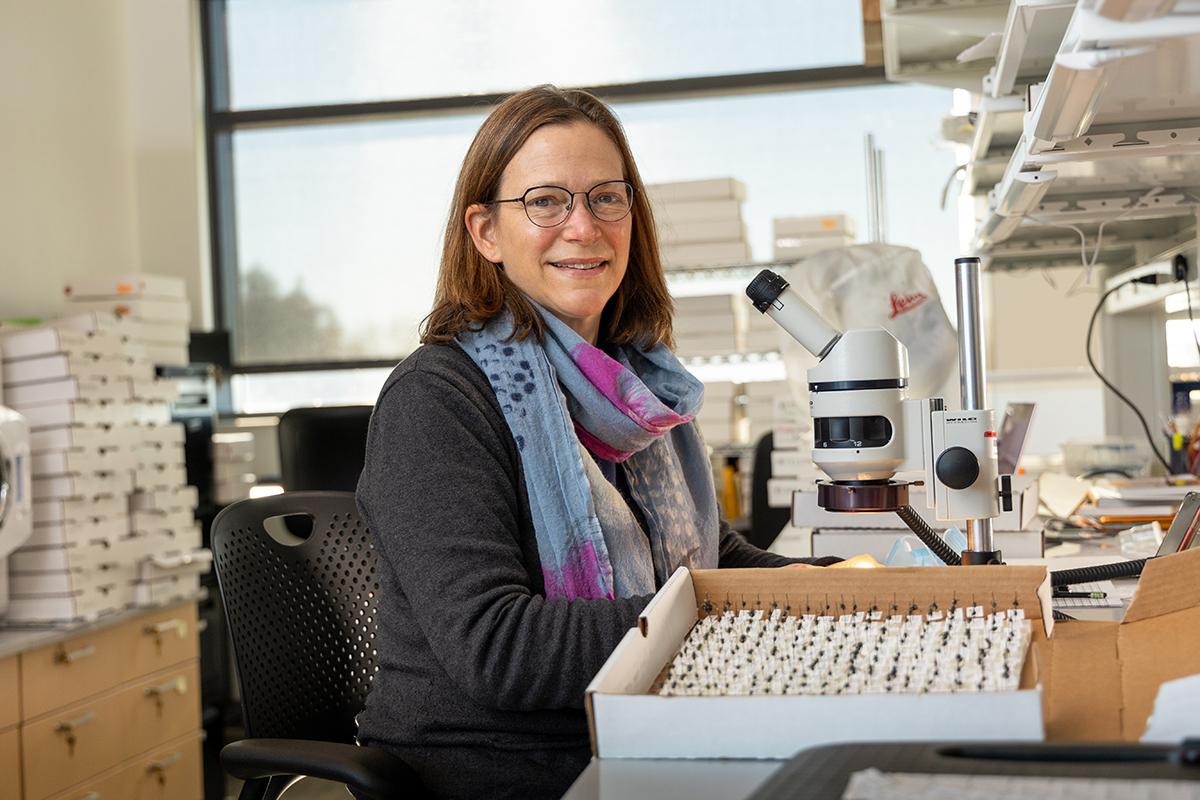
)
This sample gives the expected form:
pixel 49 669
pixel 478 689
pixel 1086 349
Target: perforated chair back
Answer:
pixel 301 611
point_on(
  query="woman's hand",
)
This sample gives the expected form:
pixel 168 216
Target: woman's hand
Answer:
pixel 860 561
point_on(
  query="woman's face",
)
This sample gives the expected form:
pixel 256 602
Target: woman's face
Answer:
pixel 574 268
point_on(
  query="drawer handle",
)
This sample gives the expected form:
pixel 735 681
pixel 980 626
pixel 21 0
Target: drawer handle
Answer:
pixel 177 685
pixel 180 627
pixel 69 726
pixel 64 656
pixel 158 630
pixel 165 763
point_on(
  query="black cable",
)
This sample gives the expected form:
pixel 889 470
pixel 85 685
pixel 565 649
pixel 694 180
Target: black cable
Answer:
pixel 1100 572
pixel 1108 383
pixel 929 536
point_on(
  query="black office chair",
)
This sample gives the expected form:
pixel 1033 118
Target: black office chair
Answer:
pixel 765 522
pixel 322 449
pixel 299 582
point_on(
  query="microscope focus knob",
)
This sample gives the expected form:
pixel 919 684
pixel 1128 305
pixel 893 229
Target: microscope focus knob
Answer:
pixel 957 467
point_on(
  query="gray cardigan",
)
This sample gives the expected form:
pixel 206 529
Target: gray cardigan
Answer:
pixel 471 653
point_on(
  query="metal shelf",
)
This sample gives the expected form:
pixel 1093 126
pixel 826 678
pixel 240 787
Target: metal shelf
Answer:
pixel 1114 129
pixel 923 38
pixel 1032 35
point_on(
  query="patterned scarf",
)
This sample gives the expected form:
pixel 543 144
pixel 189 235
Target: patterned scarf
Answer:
pixel 564 395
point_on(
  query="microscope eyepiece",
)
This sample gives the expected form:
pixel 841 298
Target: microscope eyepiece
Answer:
pixel 765 289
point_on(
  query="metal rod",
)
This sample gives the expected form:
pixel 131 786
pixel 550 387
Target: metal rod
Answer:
pixel 872 189
pixel 881 195
pixel 972 369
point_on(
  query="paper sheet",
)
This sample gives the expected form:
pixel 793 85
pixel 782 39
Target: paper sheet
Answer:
pixel 1176 714
pixel 871 784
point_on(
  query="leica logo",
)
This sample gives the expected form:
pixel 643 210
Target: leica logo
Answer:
pixel 906 302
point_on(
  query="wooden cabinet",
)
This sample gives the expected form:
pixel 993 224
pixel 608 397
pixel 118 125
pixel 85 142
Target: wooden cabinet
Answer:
pixel 170 772
pixel 10 693
pixel 10 765
pixel 105 714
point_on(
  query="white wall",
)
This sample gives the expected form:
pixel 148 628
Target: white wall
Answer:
pixel 100 148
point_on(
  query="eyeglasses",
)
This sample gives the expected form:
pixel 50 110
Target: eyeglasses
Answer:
pixel 548 206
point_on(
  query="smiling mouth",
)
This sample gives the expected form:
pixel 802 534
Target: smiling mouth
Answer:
pixel 580 266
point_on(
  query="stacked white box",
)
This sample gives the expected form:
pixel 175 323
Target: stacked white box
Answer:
pixel 772 407
pixel 700 222
pixel 798 237
pixel 708 325
pixel 65 382
pixel 716 419
pixel 156 307
pixel 233 466
pixel 102 443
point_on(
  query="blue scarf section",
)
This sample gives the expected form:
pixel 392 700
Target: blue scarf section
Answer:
pixel 636 408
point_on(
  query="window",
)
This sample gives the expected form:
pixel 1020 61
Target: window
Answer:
pixel 337 129
pixel 318 52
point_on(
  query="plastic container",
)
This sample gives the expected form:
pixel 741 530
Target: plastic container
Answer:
pixel 1111 455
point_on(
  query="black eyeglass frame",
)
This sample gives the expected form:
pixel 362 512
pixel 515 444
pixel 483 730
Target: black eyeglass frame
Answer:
pixel 587 196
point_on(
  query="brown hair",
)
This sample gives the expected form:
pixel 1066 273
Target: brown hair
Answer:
pixel 471 290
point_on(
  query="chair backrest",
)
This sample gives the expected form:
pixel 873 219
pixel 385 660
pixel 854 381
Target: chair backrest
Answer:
pixel 322 449
pixel 765 522
pixel 301 611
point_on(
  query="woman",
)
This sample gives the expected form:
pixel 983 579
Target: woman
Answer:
pixel 532 474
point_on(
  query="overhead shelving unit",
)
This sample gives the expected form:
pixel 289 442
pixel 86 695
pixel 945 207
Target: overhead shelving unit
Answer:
pixel 1110 138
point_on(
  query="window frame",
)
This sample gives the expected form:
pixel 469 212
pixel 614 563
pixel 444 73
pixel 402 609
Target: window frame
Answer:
pixel 221 124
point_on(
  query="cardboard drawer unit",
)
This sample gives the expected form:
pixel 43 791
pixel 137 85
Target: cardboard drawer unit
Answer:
pixel 1123 664
pixel 111 713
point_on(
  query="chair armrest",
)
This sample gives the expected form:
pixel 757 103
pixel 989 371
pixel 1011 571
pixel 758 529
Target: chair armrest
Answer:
pixel 369 771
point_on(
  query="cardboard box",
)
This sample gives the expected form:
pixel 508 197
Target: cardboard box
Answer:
pixel 164 333
pixel 68 534
pixel 682 213
pixel 806 513
pixel 691 191
pixel 710 344
pixel 709 254
pixel 837 225
pixel 80 604
pixel 77 510
pixel 65 390
pixel 73 555
pixel 68 437
pixel 44 340
pixel 66 486
pixel 1122 666
pixel 84 461
pixel 165 588
pixel 170 499
pixel 56 366
pixel 156 476
pixel 713 230
pixel 147 522
pixel 626 721
pixel 168 355
pixel 130 285
pixel 165 310
pixel 1124 662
